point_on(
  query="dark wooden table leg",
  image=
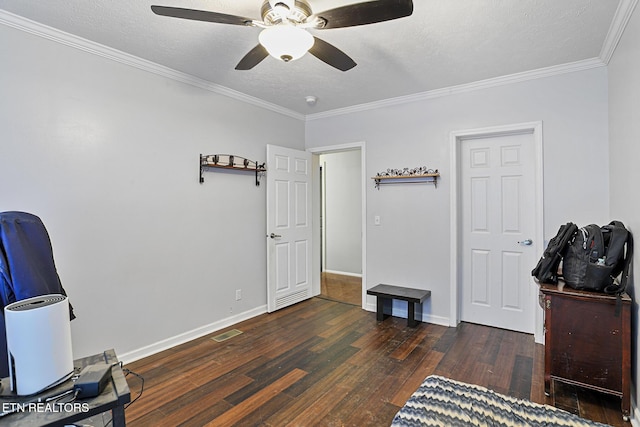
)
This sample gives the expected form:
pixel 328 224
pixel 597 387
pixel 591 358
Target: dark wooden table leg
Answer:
pixel 380 308
pixel 626 404
pixel 118 416
pixel 547 385
pixel 411 315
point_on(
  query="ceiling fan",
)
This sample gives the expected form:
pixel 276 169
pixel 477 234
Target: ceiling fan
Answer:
pixel 285 23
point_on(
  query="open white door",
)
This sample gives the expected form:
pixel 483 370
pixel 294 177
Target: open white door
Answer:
pixel 289 228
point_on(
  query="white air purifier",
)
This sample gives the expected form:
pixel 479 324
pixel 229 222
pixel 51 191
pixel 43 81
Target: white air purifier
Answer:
pixel 38 343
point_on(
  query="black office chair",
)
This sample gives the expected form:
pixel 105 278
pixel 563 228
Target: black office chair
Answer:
pixel 27 268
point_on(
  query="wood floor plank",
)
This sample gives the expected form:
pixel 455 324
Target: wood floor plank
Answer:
pixel 318 399
pixel 592 405
pixel 153 418
pixel 537 376
pixel 189 405
pixel 354 400
pixel 342 288
pixel 261 415
pixel 325 363
pixel 270 372
pixel 492 347
pixel 317 408
pixel 241 410
pixel 321 365
pixel 413 380
pixel 565 397
pixel 201 418
pixel 416 366
pixel 447 340
pixel 337 335
pixel 348 316
pixel 212 370
pixel 285 340
pixel 457 354
pixel 504 366
pixel 405 348
pixel 158 396
pixel 520 384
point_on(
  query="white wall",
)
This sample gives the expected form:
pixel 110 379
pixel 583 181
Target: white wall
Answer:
pixel 106 155
pixel 411 246
pixel 342 173
pixel 624 145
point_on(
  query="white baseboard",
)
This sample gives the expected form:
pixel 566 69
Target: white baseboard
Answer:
pixel 436 320
pixel 343 273
pixel 184 337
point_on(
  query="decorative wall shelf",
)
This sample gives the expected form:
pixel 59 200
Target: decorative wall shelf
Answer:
pixel 406 176
pixel 230 162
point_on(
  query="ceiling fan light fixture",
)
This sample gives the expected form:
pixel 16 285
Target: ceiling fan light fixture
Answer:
pixel 282 10
pixel 286 42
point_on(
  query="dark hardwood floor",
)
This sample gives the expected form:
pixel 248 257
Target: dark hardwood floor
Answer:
pixel 326 363
pixel 339 287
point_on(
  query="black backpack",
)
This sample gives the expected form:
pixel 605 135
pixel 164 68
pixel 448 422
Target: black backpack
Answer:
pixel 596 256
pixel 546 271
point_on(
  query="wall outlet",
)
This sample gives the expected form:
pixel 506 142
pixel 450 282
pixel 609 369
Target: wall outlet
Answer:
pixel 238 294
pixel 376 220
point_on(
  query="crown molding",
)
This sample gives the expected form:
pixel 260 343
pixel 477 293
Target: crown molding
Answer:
pixel 468 87
pixel 11 20
pixel 619 23
pixel 621 18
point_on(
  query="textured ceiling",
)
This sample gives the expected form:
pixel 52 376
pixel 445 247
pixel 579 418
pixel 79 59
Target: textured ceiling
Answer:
pixel 444 43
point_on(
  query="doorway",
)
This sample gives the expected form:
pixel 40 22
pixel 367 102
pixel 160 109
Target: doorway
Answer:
pixel 340 210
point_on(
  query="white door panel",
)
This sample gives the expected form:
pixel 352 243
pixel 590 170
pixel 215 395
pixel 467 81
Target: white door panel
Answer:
pixel 498 212
pixel 288 227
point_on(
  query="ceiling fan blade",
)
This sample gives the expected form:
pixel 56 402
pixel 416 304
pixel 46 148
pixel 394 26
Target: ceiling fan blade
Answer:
pixel 201 15
pixel 331 55
pixel 365 13
pixel 253 58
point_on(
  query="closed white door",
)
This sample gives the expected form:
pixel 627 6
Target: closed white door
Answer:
pixel 289 228
pixel 498 225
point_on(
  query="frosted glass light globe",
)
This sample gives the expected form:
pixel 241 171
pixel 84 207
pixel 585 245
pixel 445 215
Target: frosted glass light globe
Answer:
pixel 286 42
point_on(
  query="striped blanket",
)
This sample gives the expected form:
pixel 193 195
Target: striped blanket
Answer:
pixel 440 401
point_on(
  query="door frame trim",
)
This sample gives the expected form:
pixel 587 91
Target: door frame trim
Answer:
pixel 316 151
pixel 455 139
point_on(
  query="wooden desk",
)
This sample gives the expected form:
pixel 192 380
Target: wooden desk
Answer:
pixel 89 411
pixel 390 292
pixel 587 343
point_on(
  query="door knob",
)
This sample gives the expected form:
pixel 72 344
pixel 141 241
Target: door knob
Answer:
pixel 274 236
pixel 527 242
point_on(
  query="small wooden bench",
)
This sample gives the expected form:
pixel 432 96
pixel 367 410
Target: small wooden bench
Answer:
pixel 390 292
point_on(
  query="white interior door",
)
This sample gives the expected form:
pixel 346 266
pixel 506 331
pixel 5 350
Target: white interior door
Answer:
pixel 289 228
pixel 498 226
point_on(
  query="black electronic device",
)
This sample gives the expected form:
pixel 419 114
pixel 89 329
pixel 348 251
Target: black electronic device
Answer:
pixel 92 380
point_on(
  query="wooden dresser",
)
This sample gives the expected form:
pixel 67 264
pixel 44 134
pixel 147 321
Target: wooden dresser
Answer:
pixel 587 343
